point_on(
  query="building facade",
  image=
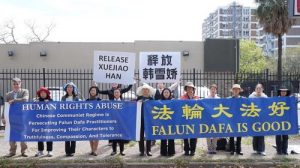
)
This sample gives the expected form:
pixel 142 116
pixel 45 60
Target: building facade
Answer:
pixel 233 21
pixel 79 55
pixel 237 21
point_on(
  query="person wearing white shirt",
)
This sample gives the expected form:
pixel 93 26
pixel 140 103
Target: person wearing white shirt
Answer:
pixel 117 97
pixel 212 142
pixel 258 142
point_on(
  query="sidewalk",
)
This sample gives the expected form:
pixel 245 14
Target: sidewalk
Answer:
pixel 132 157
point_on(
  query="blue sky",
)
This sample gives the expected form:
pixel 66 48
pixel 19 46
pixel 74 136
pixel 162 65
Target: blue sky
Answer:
pixel 112 20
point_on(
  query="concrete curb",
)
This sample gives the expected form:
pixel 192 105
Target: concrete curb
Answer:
pixel 157 165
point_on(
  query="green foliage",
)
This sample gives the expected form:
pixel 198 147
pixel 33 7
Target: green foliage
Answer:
pixel 291 59
pixel 271 63
pixel 252 58
pixel 273 16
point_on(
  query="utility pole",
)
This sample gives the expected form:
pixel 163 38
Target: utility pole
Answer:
pixel 234 27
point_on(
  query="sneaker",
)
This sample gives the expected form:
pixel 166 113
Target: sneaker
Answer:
pixel 50 154
pixel 39 153
pixel 113 153
pixel 240 153
pixel 261 153
pixel 94 154
pixel 9 155
pixel 24 155
pixel 148 153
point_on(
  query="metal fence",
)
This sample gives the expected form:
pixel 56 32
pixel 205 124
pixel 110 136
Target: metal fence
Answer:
pixel 54 79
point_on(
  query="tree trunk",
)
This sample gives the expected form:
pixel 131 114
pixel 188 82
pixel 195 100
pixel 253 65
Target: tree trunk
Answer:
pixel 279 63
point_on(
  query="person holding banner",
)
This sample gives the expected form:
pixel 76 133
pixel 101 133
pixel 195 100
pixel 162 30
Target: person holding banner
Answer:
pixel 235 90
pixel 158 95
pixel 258 142
pixel 212 142
pixel 167 147
pixel 282 140
pixel 117 97
pixel 93 96
pixel 189 144
pixel 114 86
pixel 144 93
pixel 110 94
pixel 43 95
pixel 16 95
pixel 161 87
pixel 71 95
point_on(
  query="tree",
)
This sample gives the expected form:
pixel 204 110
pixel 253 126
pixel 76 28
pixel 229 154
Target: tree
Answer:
pixel 38 36
pixel 271 63
pixel 252 58
pixel 273 16
pixel 7 32
pixel 291 61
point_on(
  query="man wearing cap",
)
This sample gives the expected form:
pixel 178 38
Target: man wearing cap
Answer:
pixel 235 90
pixel 189 144
pixel 16 95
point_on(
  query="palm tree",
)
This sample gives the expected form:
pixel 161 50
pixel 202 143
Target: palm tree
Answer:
pixel 273 16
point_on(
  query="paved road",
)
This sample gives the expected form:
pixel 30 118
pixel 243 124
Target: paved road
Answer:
pixel 132 152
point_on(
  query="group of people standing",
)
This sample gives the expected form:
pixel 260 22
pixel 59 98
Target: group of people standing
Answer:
pixel 144 93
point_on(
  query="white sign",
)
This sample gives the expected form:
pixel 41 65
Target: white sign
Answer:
pixel 114 67
pixel 160 67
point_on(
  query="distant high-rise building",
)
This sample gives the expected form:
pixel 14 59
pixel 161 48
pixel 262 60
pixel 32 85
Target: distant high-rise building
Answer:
pixel 237 21
pixel 233 21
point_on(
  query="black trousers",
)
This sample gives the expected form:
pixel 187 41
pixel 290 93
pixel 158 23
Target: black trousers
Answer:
pixel 237 147
pixel 167 147
pixel 121 144
pixel 258 143
pixel 190 145
pixel 282 143
pixel 142 137
pixel 41 146
pixel 70 147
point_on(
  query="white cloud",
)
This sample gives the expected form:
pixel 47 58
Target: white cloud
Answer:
pixel 116 20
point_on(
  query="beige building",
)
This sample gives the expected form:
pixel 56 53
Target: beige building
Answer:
pixel 79 55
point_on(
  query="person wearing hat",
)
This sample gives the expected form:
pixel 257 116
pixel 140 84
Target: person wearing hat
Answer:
pixel 235 90
pixel 71 95
pixel 282 140
pixel 212 142
pixel 144 93
pixel 43 95
pixel 189 144
pixel 16 95
pixel 93 96
pixel 258 142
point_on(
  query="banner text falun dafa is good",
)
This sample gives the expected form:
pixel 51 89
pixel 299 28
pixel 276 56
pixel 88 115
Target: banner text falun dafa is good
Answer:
pixel 179 119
